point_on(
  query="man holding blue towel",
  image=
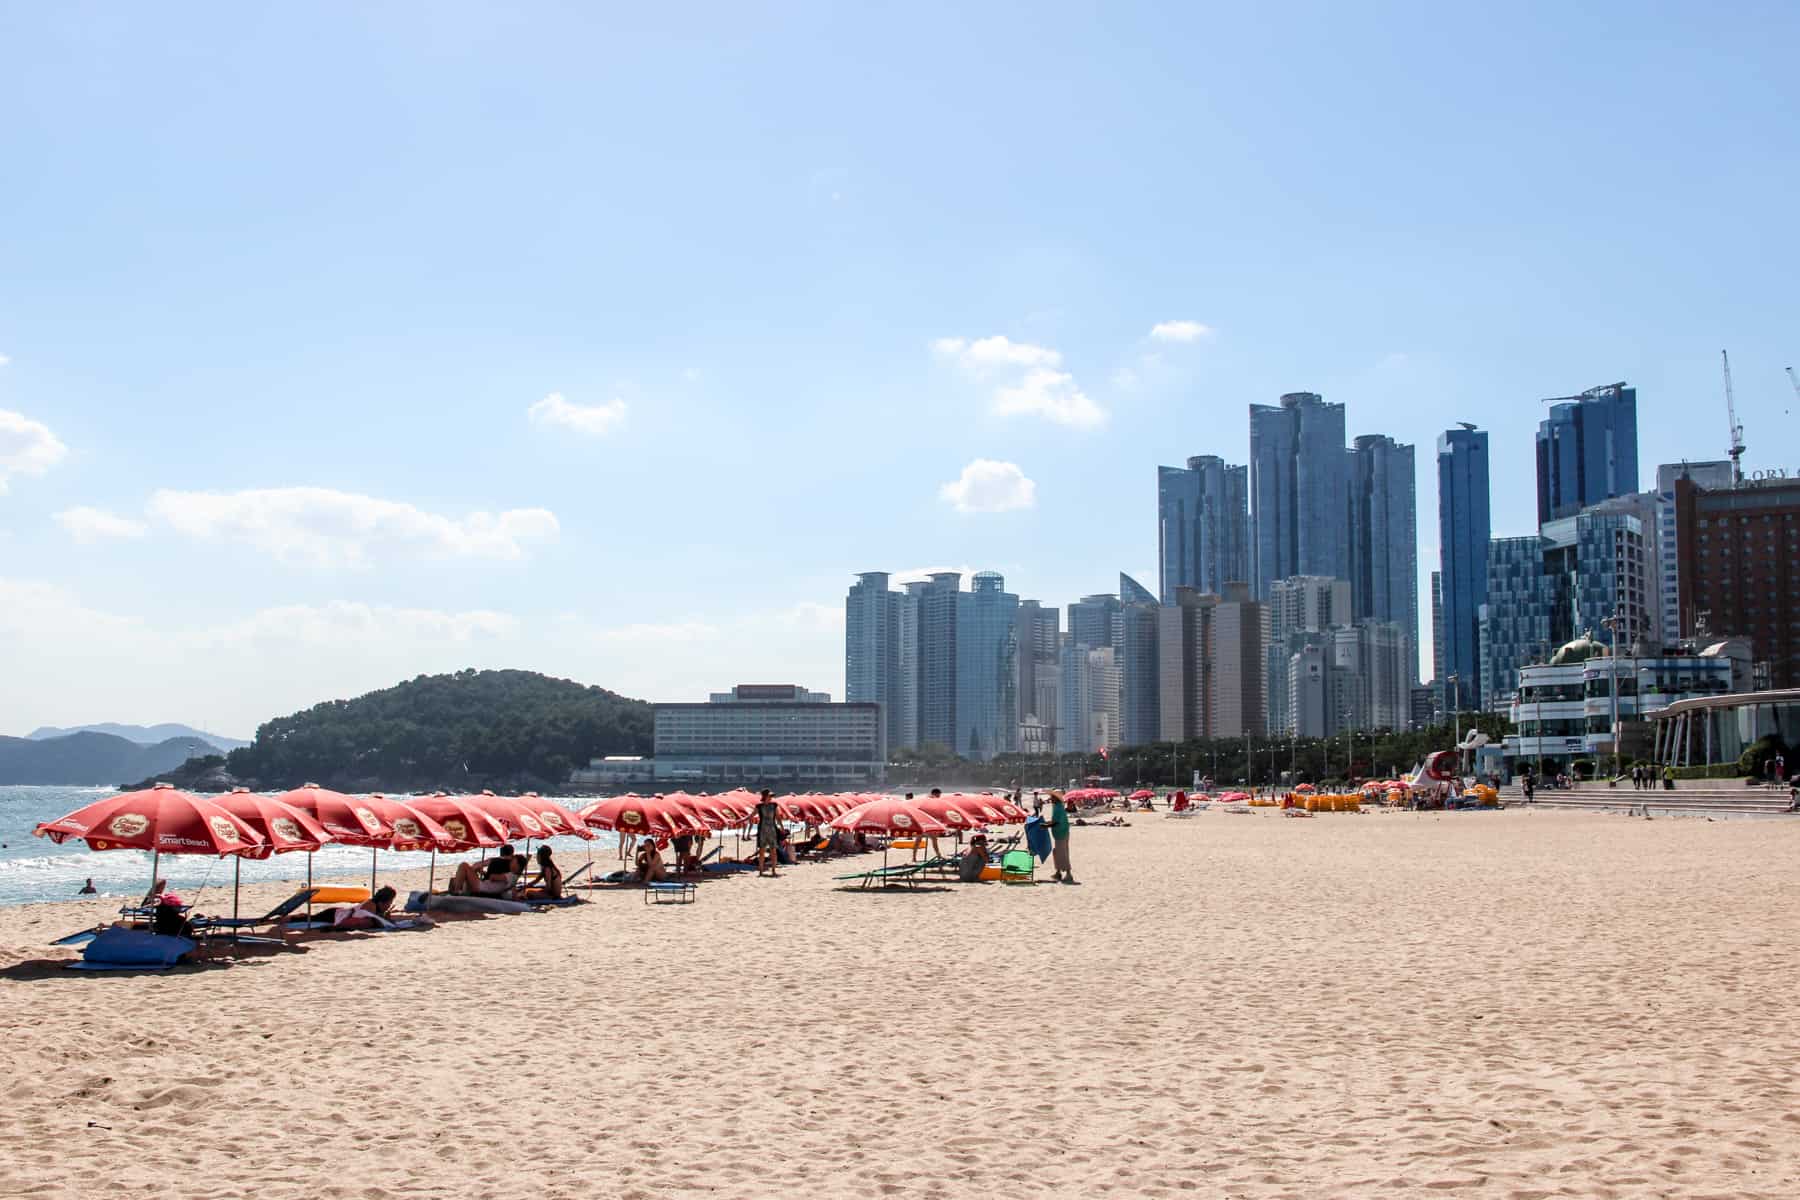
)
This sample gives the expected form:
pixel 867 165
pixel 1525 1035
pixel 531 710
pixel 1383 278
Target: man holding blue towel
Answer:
pixel 1059 829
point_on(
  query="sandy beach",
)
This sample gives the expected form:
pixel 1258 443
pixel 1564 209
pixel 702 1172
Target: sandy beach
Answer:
pixel 1522 1004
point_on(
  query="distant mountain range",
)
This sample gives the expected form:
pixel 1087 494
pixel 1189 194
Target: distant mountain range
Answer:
pixel 143 735
pixel 92 759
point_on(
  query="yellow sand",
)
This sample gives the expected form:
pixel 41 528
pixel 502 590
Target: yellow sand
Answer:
pixel 1515 1004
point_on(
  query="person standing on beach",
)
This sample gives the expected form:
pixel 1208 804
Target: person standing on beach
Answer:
pixel 1059 830
pixel 768 834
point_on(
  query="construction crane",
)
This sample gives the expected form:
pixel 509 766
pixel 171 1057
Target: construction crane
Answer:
pixel 1737 431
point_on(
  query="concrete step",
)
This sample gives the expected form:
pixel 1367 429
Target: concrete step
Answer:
pixel 1756 801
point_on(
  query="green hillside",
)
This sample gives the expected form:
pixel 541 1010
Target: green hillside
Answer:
pixel 509 730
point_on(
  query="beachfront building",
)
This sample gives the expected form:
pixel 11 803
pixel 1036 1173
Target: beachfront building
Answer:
pixel 987 702
pixel 1210 664
pixel 1371 667
pixel 1298 491
pixel 1300 610
pixel 1087 715
pixel 936 667
pixel 1586 450
pixel 1708 731
pixel 872 649
pixel 770 734
pixel 1038 636
pixel 1585 572
pixel 1093 621
pixel 906 638
pixel 1203 525
pixel 1462 584
pixel 1710 476
pixel 1738 559
pixel 1139 664
pixel 1384 541
pixel 1563 709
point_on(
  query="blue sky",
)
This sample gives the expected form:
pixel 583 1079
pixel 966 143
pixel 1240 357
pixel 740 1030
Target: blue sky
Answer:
pixel 281 290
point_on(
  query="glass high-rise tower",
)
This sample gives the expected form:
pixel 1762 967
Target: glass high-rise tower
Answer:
pixel 1463 531
pixel 872 650
pixel 1384 539
pixel 1203 525
pixel 1298 491
pixel 1587 450
pixel 986 668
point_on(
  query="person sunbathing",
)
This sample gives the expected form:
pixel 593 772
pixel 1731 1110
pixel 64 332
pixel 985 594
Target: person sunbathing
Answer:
pixel 650 864
pixel 974 860
pixel 498 877
pixel 370 914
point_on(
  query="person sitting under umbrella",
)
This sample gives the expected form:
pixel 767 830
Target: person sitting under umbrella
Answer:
pixel 974 860
pixel 549 882
pixel 649 863
pixel 169 917
pixel 370 914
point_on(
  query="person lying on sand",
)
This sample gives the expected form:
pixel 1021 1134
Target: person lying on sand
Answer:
pixel 498 877
pixel 170 917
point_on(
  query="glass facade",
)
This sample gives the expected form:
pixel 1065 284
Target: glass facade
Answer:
pixel 1203 525
pixel 1463 533
pixel 1298 491
pixel 986 668
pixel 1587 451
pixel 872 649
pixel 1384 539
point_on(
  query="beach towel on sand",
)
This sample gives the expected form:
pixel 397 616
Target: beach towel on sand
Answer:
pixel 1037 838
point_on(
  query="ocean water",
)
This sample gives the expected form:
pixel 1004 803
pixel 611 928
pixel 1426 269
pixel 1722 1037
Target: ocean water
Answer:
pixel 34 868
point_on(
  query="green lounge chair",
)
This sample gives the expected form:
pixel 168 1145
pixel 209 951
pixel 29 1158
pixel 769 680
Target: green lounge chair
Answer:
pixel 1017 866
pixel 907 873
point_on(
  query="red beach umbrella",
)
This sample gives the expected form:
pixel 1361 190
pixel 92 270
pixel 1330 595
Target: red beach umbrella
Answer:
pixel 348 819
pixel 469 825
pixel 1143 794
pixel 283 829
pixel 653 816
pixel 162 820
pixel 557 820
pixel 890 815
pixel 958 812
pixel 514 812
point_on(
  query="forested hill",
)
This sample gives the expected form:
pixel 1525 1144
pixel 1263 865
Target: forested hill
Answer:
pixel 502 729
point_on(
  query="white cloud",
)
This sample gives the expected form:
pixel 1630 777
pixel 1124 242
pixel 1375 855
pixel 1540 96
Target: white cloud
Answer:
pixel 809 617
pixel 1180 331
pixel 323 527
pixel 4 360
pixel 342 624
pixel 86 524
pixel 27 447
pixel 990 486
pixel 673 631
pixel 988 353
pixel 594 420
pixel 1052 395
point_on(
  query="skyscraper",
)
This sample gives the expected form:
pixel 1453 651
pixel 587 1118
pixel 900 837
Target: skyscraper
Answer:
pixel 1384 540
pixel 1203 525
pixel 1139 673
pixel 906 622
pixel 872 650
pixel 1300 610
pixel 1587 450
pixel 987 704
pixel 1463 532
pixel 1039 640
pixel 1298 491
pixel 938 659
pixel 1092 620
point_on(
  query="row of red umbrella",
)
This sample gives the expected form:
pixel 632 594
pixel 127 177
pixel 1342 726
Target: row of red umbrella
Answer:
pixel 679 814
pixel 166 820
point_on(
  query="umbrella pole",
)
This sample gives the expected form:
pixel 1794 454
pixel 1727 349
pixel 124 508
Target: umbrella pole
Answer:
pixel 309 858
pixel 431 880
pixel 155 858
pixel 372 854
pixel 237 876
